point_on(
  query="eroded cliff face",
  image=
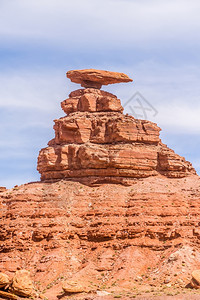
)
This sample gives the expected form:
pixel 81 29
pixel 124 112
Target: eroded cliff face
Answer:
pixel 96 143
pixel 106 236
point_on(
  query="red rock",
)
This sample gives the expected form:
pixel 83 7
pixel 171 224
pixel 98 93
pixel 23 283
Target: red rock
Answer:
pixel 22 284
pixel 6 295
pixel 2 189
pixel 96 78
pixel 172 165
pixel 195 281
pixel 74 287
pixel 98 141
pixel 87 102
pixel 4 280
pixel 107 103
pixel 70 105
pixel 73 231
pixel 91 100
pixel 112 207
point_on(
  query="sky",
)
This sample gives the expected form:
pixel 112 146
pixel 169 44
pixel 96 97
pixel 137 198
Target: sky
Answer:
pixel 155 42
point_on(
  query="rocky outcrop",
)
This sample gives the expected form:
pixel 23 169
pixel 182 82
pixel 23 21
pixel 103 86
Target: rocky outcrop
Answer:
pixel 96 143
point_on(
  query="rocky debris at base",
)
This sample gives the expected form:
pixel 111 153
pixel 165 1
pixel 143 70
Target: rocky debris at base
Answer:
pixel 4 280
pixel 8 295
pixel 74 287
pixel 20 285
pixel 195 281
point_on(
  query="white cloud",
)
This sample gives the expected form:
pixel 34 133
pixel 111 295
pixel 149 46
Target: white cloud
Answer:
pixel 31 89
pixel 94 22
pixel 174 91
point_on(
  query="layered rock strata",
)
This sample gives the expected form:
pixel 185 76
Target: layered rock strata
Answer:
pixel 102 234
pixel 96 143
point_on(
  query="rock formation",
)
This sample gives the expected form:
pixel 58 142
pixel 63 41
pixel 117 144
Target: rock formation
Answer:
pixel 4 280
pixel 21 285
pixel 96 78
pixel 96 143
pixel 108 239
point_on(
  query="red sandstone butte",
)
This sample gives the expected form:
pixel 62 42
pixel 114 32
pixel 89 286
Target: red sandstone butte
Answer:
pixel 96 142
pixel 134 230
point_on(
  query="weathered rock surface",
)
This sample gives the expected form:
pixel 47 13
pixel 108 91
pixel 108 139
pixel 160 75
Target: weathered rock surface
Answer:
pixel 2 189
pixel 96 78
pixel 73 287
pixel 7 295
pixel 108 234
pixel 22 284
pixel 96 143
pixel 91 100
pixel 4 280
pixel 195 281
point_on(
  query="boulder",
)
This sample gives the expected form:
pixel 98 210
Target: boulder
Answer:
pixel 4 280
pixel 22 284
pixel 73 287
pixel 195 281
pixel 8 295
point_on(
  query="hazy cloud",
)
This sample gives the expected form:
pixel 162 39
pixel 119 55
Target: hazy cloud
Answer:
pixel 100 23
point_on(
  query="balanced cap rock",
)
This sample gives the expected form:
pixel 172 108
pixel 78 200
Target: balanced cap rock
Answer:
pixel 97 143
pixel 91 78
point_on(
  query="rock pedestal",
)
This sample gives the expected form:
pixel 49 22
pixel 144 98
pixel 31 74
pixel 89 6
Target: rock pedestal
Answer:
pixel 97 143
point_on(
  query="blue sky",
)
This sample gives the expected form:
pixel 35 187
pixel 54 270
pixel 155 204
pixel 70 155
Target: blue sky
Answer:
pixel 157 43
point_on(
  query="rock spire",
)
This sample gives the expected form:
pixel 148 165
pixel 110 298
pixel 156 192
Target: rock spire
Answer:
pixel 95 142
